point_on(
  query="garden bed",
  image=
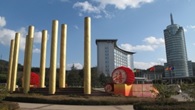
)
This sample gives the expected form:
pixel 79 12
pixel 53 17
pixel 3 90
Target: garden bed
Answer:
pixel 76 99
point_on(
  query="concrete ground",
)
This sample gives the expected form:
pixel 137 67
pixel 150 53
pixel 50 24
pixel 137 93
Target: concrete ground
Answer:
pixel 33 106
pixel 182 97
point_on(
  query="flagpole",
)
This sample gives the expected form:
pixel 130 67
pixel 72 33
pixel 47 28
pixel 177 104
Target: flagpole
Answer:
pixel 155 73
pixel 171 78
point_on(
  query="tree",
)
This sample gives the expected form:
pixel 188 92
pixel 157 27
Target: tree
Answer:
pixel 73 77
pixel 94 77
pixel 104 79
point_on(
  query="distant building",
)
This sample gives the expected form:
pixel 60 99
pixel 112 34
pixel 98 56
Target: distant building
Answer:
pixel 193 68
pixel 110 56
pixel 150 75
pixel 176 52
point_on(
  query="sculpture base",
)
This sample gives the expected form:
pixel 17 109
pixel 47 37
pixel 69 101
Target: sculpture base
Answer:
pixel 122 89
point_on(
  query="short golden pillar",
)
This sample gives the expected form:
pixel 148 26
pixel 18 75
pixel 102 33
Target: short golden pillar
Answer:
pixel 15 62
pixel 43 58
pixel 28 59
pixel 53 57
pixel 87 56
pixel 62 75
pixel 10 64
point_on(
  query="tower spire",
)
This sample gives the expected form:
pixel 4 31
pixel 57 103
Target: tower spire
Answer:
pixel 171 19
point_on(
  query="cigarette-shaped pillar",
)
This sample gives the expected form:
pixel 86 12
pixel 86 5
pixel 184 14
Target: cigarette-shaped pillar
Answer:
pixel 28 59
pixel 15 62
pixel 62 75
pixel 10 64
pixel 52 72
pixel 43 58
pixel 24 65
pixel 87 56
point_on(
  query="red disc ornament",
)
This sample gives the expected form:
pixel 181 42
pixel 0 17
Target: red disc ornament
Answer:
pixel 123 75
pixel 109 87
pixel 34 79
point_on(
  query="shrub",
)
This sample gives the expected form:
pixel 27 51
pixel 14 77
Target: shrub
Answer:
pixel 3 92
pixel 172 105
pixel 189 89
pixel 164 91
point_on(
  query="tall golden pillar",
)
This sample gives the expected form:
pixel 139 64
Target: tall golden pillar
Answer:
pixel 43 58
pixel 62 75
pixel 53 57
pixel 87 56
pixel 10 64
pixel 24 65
pixel 15 62
pixel 28 59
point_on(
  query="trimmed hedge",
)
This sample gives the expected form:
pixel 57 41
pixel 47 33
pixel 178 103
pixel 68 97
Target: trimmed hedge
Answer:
pixel 76 100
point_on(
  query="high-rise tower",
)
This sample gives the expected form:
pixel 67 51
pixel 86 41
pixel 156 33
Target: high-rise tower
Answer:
pixel 176 50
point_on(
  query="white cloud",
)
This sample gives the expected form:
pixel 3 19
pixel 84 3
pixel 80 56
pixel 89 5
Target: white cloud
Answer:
pixel 87 7
pixel 76 27
pixel 98 16
pixel 123 4
pixel 144 65
pixel 185 30
pixel 129 47
pixel 77 66
pixel 7 35
pixel 98 7
pixel 2 21
pixel 162 60
pixel 194 44
pixel 37 37
pixel 152 43
pixel 36 50
pixel 191 26
pixel 80 14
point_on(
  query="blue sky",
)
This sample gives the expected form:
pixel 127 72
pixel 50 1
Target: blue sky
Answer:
pixel 137 24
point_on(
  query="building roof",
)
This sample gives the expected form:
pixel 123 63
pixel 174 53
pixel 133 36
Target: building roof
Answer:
pixel 115 45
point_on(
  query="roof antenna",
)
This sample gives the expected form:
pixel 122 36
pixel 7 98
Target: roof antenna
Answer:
pixel 171 19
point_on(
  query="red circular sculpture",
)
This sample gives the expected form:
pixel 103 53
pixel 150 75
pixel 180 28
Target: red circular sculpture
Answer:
pixel 34 79
pixel 123 75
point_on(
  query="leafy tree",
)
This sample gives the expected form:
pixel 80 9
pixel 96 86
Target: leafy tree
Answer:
pixel 94 77
pixel 73 77
pixel 3 92
pixel 3 78
pixel 104 79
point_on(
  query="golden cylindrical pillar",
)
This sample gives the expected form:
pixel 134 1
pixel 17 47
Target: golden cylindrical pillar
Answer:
pixel 62 75
pixel 87 56
pixel 10 64
pixel 43 58
pixel 15 62
pixel 53 57
pixel 24 65
pixel 28 59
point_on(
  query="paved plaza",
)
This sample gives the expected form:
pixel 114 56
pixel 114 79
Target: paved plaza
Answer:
pixel 32 106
